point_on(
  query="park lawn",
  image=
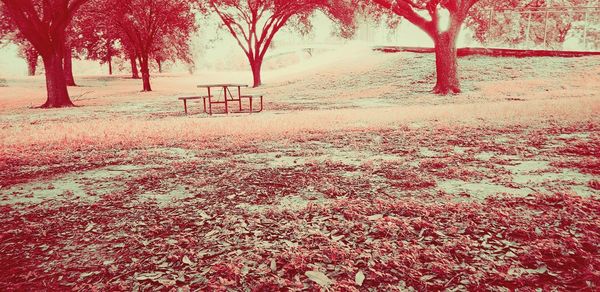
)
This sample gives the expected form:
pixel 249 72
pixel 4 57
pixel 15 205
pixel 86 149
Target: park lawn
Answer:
pixel 494 189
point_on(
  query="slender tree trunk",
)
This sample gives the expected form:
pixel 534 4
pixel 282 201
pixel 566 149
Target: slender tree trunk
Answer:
pixel 68 66
pixel 110 70
pixel 446 63
pixel 32 60
pixel 134 69
pixel 56 86
pixel 159 66
pixel 145 73
pixel 256 64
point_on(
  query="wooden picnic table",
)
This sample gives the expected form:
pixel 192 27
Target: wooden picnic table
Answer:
pixel 226 90
pixel 227 97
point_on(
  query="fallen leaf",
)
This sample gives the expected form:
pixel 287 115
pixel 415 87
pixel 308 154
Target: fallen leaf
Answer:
pixel 273 265
pixel 290 244
pixel 149 276
pixel 359 278
pixel 187 260
pixel 245 270
pixel 541 270
pixel 337 238
pixel 319 278
pixel 85 275
pixel 375 217
pixel 427 278
pixel 166 282
pixel 90 227
pixel 203 215
pixel 210 233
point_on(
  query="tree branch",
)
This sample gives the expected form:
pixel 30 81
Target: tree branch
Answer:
pixel 405 8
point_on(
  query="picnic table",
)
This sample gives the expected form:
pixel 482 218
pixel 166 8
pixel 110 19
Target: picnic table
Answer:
pixel 227 97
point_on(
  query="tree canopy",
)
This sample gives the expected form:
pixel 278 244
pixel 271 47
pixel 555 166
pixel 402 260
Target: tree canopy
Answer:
pixel 154 28
pixel 254 23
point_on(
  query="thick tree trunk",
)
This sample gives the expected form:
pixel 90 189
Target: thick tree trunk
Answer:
pixel 68 67
pixel 32 60
pixel 145 73
pixel 256 64
pixel 446 63
pixel 56 86
pixel 134 69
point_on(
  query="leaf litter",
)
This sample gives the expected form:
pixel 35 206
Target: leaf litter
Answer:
pixel 385 224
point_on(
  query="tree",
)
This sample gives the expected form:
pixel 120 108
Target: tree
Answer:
pixel 10 33
pixel 135 73
pixel 145 24
pixel 44 24
pixel 173 49
pixel 101 47
pixel 444 35
pixel 95 35
pixel 254 23
pixel 31 56
pixel 68 59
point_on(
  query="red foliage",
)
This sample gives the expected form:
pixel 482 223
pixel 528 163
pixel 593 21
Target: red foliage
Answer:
pixel 158 29
pixel 254 24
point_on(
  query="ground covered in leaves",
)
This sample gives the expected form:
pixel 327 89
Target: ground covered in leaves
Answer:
pixel 404 208
pixel 353 179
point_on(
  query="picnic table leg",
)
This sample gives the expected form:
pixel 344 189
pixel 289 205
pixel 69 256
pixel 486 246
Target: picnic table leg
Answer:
pixel 204 101
pixel 209 102
pixel 225 96
pixel 185 106
pixel 261 104
pixel 240 97
pixel 250 103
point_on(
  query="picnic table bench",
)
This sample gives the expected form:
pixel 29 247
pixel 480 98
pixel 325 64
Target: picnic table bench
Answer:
pixel 227 97
pixel 250 97
pixel 186 98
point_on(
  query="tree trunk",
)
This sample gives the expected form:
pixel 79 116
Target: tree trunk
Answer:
pixel 159 66
pixel 145 73
pixel 56 86
pixel 446 63
pixel 256 64
pixel 68 67
pixel 110 65
pixel 32 59
pixel 134 69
